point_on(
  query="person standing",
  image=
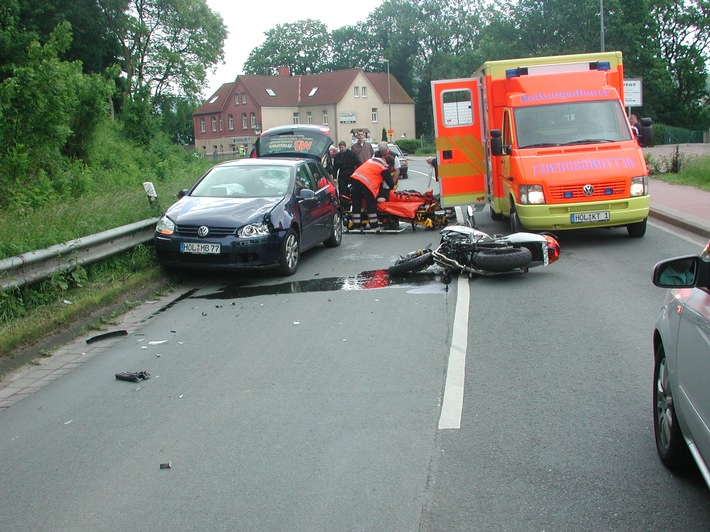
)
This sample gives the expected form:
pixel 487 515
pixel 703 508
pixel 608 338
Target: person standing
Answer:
pixel 344 165
pixel 362 148
pixel 366 182
pixel 635 126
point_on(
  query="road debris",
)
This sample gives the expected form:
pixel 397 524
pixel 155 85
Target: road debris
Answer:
pixel 107 335
pixel 132 376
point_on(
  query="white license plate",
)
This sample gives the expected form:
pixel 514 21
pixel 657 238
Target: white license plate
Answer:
pixel 585 217
pixel 205 249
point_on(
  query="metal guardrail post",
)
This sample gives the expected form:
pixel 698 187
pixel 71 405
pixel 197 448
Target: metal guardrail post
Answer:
pixel 35 266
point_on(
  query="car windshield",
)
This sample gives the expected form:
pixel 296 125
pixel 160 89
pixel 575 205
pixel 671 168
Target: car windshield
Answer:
pixel 571 123
pixel 244 182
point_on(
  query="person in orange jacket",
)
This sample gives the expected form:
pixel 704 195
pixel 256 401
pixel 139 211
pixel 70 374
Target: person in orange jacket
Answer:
pixel 366 181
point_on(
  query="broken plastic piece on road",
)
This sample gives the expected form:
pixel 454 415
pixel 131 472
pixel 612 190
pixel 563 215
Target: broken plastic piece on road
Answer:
pixel 104 336
pixel 132 376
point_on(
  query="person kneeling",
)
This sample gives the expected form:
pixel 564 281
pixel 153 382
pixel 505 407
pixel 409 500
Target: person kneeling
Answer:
pixel 367 180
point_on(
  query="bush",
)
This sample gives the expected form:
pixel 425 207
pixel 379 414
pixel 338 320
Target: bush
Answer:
pixel 408 145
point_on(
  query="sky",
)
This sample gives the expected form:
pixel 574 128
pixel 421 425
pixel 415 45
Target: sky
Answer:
pixel 247 22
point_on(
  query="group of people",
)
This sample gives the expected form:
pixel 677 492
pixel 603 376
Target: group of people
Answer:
pixel 369 177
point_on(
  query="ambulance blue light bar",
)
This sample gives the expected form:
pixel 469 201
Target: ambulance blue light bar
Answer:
pixel 556 68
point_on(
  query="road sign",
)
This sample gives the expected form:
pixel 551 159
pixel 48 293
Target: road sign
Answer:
pixel 633 93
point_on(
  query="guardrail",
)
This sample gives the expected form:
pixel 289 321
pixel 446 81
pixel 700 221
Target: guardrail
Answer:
pixel 34 266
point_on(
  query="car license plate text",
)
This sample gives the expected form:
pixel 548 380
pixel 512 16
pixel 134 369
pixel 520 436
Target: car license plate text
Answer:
pixel 191 247
pixel 583 217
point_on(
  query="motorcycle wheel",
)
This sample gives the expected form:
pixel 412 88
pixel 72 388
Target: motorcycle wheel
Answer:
pixel 413 262
pixel 499 261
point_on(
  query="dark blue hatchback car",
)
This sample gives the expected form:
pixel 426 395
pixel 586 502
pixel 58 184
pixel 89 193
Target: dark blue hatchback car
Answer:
pixel 256 213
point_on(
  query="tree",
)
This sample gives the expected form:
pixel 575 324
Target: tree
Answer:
pixel 684 41
pixel 351 47
pixel 92 42
pixel 304 47
pixel 166 45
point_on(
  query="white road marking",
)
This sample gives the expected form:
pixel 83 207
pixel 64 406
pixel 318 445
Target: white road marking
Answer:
pixel 452 405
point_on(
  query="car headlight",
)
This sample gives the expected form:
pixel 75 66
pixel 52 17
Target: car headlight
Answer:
pixel 253 230
pixel 639 186
pixel 165 226
pixel 531 195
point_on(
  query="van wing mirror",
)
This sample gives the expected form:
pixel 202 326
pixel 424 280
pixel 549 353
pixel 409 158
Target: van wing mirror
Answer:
pixel 496 142
pixel 646 133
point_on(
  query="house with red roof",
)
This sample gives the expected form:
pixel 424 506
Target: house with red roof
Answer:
pixel 345 100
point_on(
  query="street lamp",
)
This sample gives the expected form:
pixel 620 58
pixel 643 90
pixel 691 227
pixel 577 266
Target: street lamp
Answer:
pixel 389 94
pixel 601 17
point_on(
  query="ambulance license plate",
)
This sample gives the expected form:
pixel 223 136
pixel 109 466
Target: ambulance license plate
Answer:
pixel 590 217
pixel 203 249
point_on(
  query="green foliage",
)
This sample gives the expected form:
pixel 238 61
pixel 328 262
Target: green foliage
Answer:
pixel 302 46
pixel 111 192
pixel 408 145
pixel 48 110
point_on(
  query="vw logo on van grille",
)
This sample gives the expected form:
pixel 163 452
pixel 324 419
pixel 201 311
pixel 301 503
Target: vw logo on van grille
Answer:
pixel 204 230
pixel 588 191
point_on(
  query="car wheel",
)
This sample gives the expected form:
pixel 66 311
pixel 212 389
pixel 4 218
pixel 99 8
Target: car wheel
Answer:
pixel 670 444
pixel 290 253
pixel 336 237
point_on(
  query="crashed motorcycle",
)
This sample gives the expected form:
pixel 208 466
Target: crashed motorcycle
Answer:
pixel 418 209
pixel 465 249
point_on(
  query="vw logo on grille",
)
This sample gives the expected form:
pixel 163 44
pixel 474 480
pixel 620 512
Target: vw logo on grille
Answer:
pixel 588 190
pixel 204 230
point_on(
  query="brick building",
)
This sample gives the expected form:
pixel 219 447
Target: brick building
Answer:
pixel 345 100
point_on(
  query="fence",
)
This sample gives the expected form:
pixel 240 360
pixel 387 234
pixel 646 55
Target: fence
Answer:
pixel 34 266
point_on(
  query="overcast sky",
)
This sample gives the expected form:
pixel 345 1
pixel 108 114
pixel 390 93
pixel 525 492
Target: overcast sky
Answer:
pixel 248 21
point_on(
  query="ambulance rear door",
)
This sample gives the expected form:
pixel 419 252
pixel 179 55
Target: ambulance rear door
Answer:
pixel 459 130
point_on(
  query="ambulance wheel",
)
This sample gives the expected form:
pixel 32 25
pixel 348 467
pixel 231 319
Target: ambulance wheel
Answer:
pixel 515 225
pixel 504 260
pixel 412 262
pixel 638 229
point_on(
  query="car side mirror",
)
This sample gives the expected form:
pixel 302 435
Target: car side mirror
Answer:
pixel 682 272
pixel 306 194
pixel 182 193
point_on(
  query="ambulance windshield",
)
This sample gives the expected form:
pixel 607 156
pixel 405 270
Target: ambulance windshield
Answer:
pixel 571 123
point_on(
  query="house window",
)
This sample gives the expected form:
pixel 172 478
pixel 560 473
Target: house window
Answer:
pixel 325 118
pixel 253 120
pixel 364 92
pixel 236 99
pixel 295 118
pixel 202 125
pixel 309 117
pixel 244 120
pixel 244 98
pixel 374 114
pixel 356 92
pixel 214 123
pixel 230 122
pixel 221 122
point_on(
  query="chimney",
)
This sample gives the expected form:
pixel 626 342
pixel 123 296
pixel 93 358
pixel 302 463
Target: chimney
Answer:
pixel 284 71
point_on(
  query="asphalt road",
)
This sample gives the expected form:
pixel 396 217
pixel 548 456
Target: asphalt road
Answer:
pixel 313 402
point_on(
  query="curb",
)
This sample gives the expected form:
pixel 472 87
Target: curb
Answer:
pixel 682 220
